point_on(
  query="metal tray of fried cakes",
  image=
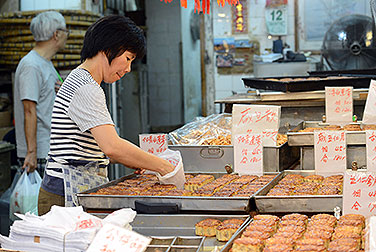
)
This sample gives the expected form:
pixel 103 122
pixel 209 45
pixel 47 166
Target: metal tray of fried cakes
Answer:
pixel 321 232
pixel 176 232
pixel 224 203
pixel 296 203
pixel 302 134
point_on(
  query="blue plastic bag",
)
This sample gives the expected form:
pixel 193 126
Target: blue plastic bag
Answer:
pixel 24 197
pixel 5 197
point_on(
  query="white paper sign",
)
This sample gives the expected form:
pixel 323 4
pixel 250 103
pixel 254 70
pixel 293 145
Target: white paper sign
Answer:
pixel 248 154
pixel 339 104
pixel 153 143
pixel 256 119
pixel 371 150
pixel 359 193
pixel 330 152
pixel 111 238
pixel 276 20
pixel 369 115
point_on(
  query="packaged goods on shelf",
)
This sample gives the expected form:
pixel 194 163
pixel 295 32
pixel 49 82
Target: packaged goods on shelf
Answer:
pixel 212 130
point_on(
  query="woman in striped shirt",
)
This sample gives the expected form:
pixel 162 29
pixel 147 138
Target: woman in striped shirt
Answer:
pixel 83 136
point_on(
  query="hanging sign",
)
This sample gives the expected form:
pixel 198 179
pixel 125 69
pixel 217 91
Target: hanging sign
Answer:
pixel 248 154
pixel 111 238
pixel 359 193
pixel 257 119
pixel 276 20
pixel 153 143
pixel 240 18
pixel 369 115
pixel 204 5
pixel 330 152
pixel 371 150
pixel 339 104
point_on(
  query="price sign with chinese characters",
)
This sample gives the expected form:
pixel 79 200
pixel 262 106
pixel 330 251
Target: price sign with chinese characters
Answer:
pixel 339 104
pixel 257 119
pixel 248 154
pixel 330 152
pixel 276 20
pixel 359 193
pixel 153 143
pixel 369 115
pixel 371 150
pixel 111 238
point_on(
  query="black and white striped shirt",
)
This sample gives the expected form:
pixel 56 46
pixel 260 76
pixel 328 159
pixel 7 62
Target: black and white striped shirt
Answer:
pixel 79 106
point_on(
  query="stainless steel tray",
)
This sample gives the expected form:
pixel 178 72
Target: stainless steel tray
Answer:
pixel 228 245
pixel 177 231
pixel 182 227
pixel 183 203
pixel 215 158
pixel 292 204
pixel 176 243
pixel 296 138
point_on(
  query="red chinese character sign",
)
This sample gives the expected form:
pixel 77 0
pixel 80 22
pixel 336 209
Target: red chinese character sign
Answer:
pixel 257 119
pixel 203 5
pixel 339 104
pixel 369 115
pixel 359 193
pixel 248 154
pixel 153 143
pixel 240 18
pixel 371 150
pixel 111 238
pixel 330 152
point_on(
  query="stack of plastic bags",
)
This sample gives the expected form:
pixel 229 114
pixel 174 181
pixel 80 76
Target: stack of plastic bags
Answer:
pixel 61 229
pixel 370 237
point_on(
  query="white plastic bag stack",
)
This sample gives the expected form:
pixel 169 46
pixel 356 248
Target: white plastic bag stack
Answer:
pixel 61 229
pixel 370 238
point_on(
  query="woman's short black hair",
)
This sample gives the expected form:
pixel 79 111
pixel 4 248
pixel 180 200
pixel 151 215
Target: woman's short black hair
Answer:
pixel 113 35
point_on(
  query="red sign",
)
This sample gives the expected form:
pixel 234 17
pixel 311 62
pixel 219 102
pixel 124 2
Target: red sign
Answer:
pixel 153 143
pixel 330 151
pixel 240 17
pixel 359 193
pixel 204 5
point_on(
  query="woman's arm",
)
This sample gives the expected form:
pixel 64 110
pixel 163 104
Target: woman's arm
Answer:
pixel 126 153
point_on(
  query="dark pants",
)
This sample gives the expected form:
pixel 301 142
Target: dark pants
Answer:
pixel 46 200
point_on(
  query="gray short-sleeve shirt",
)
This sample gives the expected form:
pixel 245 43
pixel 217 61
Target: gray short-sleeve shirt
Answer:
pixel 35 80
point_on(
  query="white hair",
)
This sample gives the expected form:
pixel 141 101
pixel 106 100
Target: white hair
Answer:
pixel 45 24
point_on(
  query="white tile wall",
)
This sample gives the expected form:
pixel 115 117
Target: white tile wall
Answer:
pixel 223 82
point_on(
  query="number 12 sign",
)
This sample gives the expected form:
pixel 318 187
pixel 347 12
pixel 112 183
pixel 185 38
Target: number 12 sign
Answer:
pixel 276 20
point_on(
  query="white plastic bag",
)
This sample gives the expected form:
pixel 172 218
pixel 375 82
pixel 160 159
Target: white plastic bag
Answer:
pixel 24 197
pixel 121 218
pixel 177 176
